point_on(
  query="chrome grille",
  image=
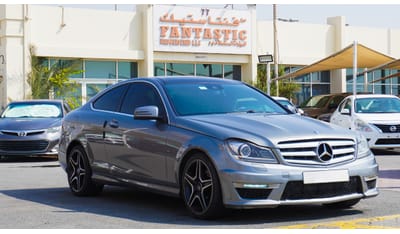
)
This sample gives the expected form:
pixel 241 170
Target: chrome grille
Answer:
pixel 25 133
pixel 23 146
pixel 393 128
pixel 305 151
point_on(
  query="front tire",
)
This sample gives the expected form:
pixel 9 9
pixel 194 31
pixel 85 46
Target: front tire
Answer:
pixel 201 190
pixel 80 174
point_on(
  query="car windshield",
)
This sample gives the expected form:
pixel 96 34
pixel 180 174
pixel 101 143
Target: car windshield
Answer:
pixel 377 105
pixel 316 101
pixel 212 98
pixel 32 110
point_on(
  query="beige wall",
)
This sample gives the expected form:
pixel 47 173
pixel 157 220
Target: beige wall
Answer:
pixel 98 34
pixel 71 32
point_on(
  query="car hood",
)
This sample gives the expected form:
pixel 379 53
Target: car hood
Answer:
pixel 383 118
pixel 263 129
pixel 313 111
pixel 19 124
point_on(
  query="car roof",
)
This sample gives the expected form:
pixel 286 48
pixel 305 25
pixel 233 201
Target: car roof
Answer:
pixel 181 80
pixel 373 96
pixel 38 101
pixel 190 79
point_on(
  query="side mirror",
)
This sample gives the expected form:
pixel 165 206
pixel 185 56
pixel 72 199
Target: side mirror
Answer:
pixel 345 112
pixel 291 108
pixel 146 112
pixel 300 111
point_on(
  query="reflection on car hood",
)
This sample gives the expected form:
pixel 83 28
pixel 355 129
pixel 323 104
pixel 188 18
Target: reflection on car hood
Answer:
pixel 20 124
pixel 262 129
pixel 384 118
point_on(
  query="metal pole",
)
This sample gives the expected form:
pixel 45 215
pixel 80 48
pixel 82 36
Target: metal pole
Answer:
pixel 355 69
pixel 268 79
pixel 354 84
pixel 275 51
pixel 365 80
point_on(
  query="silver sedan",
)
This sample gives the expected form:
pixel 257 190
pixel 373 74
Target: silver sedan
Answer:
pixel 216 143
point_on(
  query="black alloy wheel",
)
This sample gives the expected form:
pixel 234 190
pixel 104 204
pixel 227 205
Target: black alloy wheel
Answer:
pixel 201 188
pixel 80 174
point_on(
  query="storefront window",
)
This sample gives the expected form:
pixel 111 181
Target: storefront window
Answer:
pixel 76 64
pixel 100 69
pixel 233 72
pixel 100 73
pixel 303 78
pixel 226 71
pixel 211 70
pixel 323 76
pixel 180 69
pixel 311 84
pixel 127 70
pixel 383 86
pixel 93 89
pixel 159 69
pixel 73 95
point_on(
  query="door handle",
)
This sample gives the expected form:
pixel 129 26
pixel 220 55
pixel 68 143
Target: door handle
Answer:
pixel 113 123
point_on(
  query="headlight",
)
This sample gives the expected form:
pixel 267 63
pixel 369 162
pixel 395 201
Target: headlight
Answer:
pixel 249 152
pixel 56 129
pixel 362 126
pixel 362 146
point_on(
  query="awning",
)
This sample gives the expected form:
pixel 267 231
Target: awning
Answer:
pixel 366 58
pixel 389 65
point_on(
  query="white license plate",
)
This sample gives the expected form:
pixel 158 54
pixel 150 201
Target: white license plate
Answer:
pixel 316 177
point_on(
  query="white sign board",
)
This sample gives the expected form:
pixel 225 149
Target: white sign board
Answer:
pixel 204 30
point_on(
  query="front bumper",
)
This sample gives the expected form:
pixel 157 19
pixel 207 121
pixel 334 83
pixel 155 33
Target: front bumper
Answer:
pixel 271 185
pixel 29 146
pixel 383 140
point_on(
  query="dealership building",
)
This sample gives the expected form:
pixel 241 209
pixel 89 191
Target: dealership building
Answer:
pixel 165 40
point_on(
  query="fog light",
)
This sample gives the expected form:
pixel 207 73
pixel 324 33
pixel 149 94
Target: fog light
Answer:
pixel 256 186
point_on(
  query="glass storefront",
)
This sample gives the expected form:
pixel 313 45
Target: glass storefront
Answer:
pixel 226 71
pixel 385 86
pixel 95 76
pixel 311 84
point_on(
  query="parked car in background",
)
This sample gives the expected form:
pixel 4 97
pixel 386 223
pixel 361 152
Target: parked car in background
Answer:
pixel 322 104
pixel 31 128
pixel 289 105
pixel 217 143
pixel 325 117
pixel 376 116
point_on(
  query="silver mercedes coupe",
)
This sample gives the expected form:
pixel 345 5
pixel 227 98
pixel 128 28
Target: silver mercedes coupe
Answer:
pixel 216 143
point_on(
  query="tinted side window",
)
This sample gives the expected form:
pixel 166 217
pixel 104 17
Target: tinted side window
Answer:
pixel 67 108
pixel 347 104
pixel 110 101
pixel 141 94
pixel 336 100
pixel 341 105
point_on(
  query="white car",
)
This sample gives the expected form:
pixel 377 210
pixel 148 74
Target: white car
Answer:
pixel 289 105
pixel 376 116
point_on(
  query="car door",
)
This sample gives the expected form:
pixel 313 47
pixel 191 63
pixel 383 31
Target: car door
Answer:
pixel 135 148
pixel 342 116
pixel 103 108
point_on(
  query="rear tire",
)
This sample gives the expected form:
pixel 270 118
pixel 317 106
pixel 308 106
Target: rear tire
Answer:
pixel 80 174
pixel 201 190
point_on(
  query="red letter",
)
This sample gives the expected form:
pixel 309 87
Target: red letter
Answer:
pixel 163 30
